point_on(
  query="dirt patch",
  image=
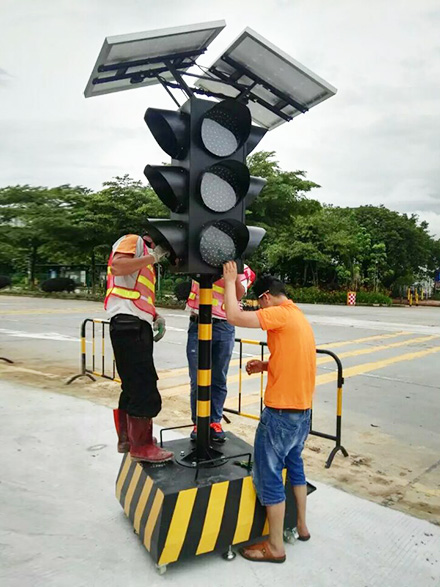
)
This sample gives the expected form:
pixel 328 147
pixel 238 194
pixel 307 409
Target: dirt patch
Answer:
pixel 378 468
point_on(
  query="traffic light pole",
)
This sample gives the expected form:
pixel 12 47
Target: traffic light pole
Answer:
pixel 203 405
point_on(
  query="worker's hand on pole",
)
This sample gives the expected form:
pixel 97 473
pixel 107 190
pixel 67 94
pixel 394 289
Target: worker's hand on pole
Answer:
pixel 255 366
pixel 159 327
pixel 230 271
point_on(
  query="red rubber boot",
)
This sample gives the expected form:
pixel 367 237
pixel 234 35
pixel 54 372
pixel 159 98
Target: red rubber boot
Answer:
pixel 120 417
pixel 142 447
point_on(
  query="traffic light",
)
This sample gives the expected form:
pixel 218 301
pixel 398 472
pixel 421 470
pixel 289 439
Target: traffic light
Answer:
pixel 207 187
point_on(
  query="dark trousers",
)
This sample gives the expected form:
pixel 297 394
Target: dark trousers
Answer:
pixel 132 341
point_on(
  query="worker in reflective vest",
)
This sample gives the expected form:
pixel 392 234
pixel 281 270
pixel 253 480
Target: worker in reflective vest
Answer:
pixel 130 304
pixel 223 336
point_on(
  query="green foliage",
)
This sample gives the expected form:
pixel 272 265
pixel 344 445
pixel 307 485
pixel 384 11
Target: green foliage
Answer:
pixel 320 250
pixel 314 295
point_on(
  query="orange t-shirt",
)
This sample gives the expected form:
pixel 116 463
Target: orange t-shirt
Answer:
pixel 292 361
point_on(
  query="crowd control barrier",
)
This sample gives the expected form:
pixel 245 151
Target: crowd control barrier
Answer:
pixel 101 365
pixel 6 360
pixel 336 438
pixel 98 365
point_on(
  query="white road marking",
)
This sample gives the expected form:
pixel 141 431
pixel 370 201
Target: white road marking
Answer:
pixel 39 335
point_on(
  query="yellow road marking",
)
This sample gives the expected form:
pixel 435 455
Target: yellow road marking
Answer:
pixel 375 349
pixel 184 387
pixel 254 397
pixel 171 373
pixel 424 489
pixel 365 339
pixel 374 366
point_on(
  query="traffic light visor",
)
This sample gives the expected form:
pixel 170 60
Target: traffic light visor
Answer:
pixel 170 129
pixel 169 234
pixel 170 183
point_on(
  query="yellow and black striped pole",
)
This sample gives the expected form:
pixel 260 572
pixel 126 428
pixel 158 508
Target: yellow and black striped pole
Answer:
pixel 203 405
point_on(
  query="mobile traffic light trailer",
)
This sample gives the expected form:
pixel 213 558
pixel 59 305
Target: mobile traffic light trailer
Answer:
pixel 204 500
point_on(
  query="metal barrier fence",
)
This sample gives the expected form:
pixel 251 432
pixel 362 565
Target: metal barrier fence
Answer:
pixel 337 437
pixel 6 360
pixel 86 371
pixel 93 370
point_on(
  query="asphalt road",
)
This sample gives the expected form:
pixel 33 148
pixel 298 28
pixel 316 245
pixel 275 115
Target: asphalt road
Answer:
pixel 390 358
pixel 390 355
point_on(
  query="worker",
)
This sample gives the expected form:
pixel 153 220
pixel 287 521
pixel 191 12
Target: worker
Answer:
pixel 223 340
pixel 285 421
pixel 130 304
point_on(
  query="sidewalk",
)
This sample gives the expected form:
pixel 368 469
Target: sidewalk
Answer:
pixel 61 525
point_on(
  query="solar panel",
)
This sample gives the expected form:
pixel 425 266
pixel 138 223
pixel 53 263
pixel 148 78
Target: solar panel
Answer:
pixel 278 87
pixel 134 60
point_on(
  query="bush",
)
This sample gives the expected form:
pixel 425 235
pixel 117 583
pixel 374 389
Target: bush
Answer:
pixel 371 297
pixel 4 281
pixel 58 284
pixel 313 295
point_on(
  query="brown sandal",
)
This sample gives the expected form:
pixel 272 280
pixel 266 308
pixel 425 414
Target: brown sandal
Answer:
pixel 264 548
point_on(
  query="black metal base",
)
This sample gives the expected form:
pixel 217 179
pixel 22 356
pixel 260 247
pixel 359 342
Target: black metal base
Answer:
pixel 180 511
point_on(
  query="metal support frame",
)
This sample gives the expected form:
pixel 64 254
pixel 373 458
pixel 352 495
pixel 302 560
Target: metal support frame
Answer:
pixel 241 87
pixel 281 95
pixel 178 61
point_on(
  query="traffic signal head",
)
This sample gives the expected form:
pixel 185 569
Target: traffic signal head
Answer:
pixel 208 185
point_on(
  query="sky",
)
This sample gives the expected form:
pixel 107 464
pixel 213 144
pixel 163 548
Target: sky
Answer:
pixel 376 142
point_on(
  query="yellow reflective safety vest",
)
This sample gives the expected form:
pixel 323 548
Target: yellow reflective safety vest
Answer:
pixel 143 293
pixel 218 293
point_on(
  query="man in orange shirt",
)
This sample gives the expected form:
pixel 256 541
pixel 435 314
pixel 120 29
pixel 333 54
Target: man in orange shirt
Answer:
pixel 285 421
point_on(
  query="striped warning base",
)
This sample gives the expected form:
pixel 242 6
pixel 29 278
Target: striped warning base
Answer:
pixel 177 517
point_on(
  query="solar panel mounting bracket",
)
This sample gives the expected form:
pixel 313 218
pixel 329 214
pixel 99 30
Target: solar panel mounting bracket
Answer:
pixel 173 64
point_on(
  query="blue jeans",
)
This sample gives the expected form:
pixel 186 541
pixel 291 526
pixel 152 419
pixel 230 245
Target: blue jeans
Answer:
pixel 223 335
pixel 279 442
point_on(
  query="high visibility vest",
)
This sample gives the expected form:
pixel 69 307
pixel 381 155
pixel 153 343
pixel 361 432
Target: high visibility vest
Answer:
pixel 143 293
pixel 218 294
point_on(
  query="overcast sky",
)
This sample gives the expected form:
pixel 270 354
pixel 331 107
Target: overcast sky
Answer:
pixel 376 142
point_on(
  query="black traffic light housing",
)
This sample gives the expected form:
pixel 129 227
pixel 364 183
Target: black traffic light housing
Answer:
pixel 208 186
